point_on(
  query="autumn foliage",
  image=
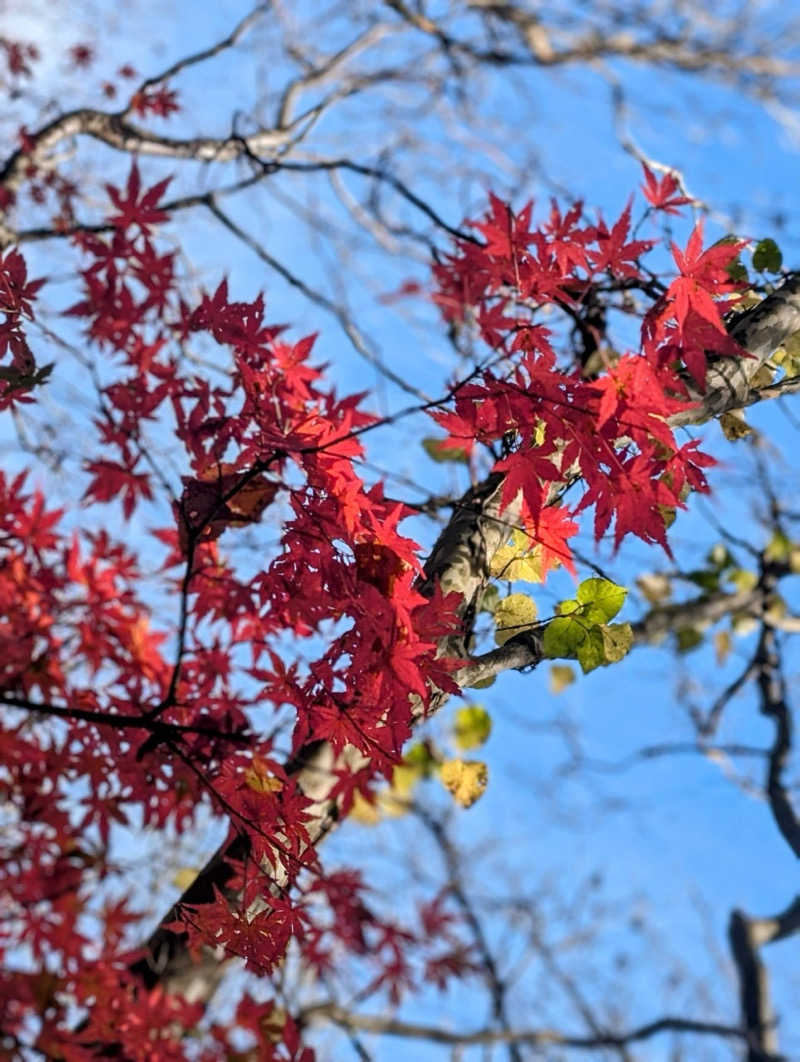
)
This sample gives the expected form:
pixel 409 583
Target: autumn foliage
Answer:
pixel 132 705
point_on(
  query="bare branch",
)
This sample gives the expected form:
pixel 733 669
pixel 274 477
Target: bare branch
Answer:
pixel 532 1037
pixel 460 894
pixel 773 705
pixel 777 927
pixel 207 53
pixel 757 1014
pixel 325 70
pixel 116 131
pixel 746 936
pixel 538 44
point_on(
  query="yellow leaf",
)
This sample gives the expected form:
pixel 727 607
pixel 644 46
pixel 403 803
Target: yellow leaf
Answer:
pixel 763 377
pixel 617 640
pixel 743 624
pixel 393 800
pixel 273 1024
pixel 404 778
pixel 723 643
pixel 465 779
pixel 363 812
pixel 743 579
pixel 539 433
pixel 787 356
pixel 514 614
pixel 668 514
pixel 776 609
pixel 750 299
pixel 734 426
pixel 391 805
pixel 792 345
pixel 518 559
pixel 561 676
pixel 260 779
pixel 184 877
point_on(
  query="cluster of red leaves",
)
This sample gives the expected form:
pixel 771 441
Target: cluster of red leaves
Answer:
pixel 152 723
pixel 161 101
pixel 17 294
pixel 110 720
pixel 610 433
pixel 19 55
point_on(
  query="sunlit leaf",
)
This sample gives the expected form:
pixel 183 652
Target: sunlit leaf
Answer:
pixel 603 597
pixel 466 780
pixel 439 451
pixel 472 727
pixel 515 613
pixel 561 676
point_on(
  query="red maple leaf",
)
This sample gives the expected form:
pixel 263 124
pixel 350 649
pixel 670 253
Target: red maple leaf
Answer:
pixel 136 207
pixel 661 194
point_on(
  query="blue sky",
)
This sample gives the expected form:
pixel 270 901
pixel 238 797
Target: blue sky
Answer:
pixel 675 840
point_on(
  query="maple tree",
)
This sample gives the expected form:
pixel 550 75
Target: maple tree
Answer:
pixel 157 677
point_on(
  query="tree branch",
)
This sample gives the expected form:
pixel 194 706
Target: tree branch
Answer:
pixel 530 1037
pixel 230 41
pixel 757 1014
pixel 772 688
pixel 459 561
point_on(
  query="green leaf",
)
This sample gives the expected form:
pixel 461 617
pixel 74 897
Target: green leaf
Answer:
pixel 483 684
pixel 778 548
pixel 437 451
pixel 742 579
pixel 603 597
pixel 569 607
pixel 594 645
pixel 420 757
pixel 472 727
pixel 688 638
pixel 705 579
pixel 562 636
pixel 591 651
pixel 767 256
pixel 735 270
